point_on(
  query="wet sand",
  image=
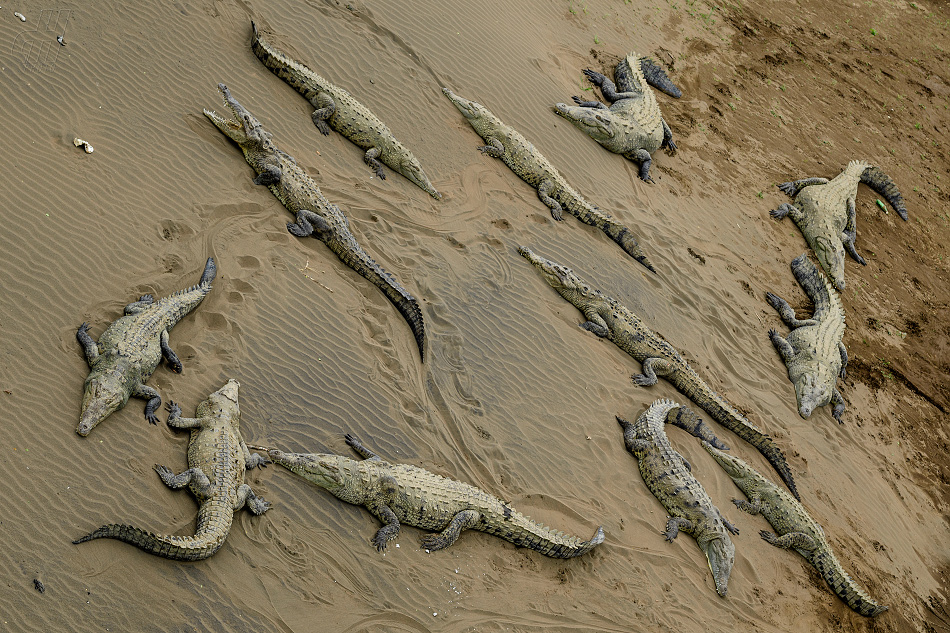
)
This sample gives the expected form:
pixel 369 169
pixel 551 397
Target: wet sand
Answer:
pixel 513 396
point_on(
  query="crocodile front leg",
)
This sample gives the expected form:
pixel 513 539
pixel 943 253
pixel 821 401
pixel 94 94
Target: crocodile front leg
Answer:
pixel 751 507
pixel 386 491
pixel 652 367
pixel 674 525
pixel 838 402
pixel 246 496
pixel 787 312
pixel 589 104
pixel 783 347
pixel 595 324
pixel 175 420
pixel 325 108
pixel 138 306
pixel 462 521
pixel 850 233
pixel 309 223
pixel 544 193
pixel 154 401
pixel 167 352
pixel 371 158
pixel 270 175
pixel 195 477
pixel 792 188
pixel 89 346
pixel 790 210
pixel 495 148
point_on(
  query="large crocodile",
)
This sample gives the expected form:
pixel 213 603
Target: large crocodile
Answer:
pixel 668 477
pixel 532 167
pixel 632 125
pixel 795 528
pixel 316 215
pixel 217 459
pixel 402 493
pixel 337 109
pixel 825 213
pixel 607 318
pixel 130 350
pixel 813 352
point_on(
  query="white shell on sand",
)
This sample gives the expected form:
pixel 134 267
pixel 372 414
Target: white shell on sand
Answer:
pixel 78 142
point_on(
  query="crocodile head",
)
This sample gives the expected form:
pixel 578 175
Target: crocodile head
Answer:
pixel 830 255
pixel 597 123
pixel 104 393
pixel 813 389
pixel 320 469
pixel 721 556
pixel 223 402
pixel 471 110
pixel 410 168
pixel 561 278
pixel 246 130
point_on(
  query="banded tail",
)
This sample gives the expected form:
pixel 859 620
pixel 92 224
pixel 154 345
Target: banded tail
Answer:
pixel 524 532
pixel 292 72
pixel 656 77
pixel 843 585
pixel 198 547
pixel 184 301
pixel 592 216
pixel 880 182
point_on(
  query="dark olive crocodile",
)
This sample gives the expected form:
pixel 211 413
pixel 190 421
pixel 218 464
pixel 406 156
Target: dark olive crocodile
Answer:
pixel 607 318
pixel 632 125
pixel 824 211
pixel 402 493
pixel 532 167
pixel 130 350
pixel 795 529
pixel 813 352
pixel 337 109
pixel 316 215
pixel 668 477
pixel 217 460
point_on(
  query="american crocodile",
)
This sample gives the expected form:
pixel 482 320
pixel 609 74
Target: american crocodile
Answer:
pixel 337 109
pixel 813 352
pixel 796 529
pixel 130 350
pixel 607 318
pixel 402 493
pixel 316 215
pixel 533 168
pixel 217 459
pixel 632 126
pixel 825 213
pixel 668 477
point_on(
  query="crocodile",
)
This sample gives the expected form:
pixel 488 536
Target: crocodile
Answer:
pixel 402 493
pixel 532 167
pixel 668 477
pixel 608 318
pixel 632 125
pixel 795 529
pixel 337 109
pixel 813 352
pixel 129 351
pixel 316 216
pixel 825 213
pixel 217 460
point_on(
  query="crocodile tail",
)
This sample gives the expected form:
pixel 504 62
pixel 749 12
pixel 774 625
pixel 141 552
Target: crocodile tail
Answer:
pixel 184 301
pixel 880 182
pixel 686 419
pixel 656 77
pixel 294 73
pixel 629 74
pixel 592 216
pixel 816 285
pixel 197 547
pixel 843 585
pixel 524 532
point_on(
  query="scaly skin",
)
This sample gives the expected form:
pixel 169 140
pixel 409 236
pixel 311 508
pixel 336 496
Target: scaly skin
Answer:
pixel 130 350
pixel 607 318
pixel 532 167
pixel 824 211
pixel 337 109
pixel 795 528
pixel 668 477
pixel 315 215
pixel 632 125
pixel 813 352
pixel 217 460
pixel 402 493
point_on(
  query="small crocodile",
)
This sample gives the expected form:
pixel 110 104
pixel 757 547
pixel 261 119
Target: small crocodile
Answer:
pixel 632 126
pixel 316 215
pixel 337 109
pixel 795 528
pixel 813 352
pixel 825 213
pixel 130 350
pixel 402 493
pixel 668 477
pixel 217 459
pixel 607 318
pixel 533 168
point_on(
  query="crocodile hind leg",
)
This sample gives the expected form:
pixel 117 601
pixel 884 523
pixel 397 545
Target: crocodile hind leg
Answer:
pixel 167 352
pixel 371 158
pixel 839 405
pixel 138 306
pixel 195 477
pixel 353 442
pixel 792 188
pixel 378 505
pixel 544 193
pixel 674 525
pixel 797 540
pixel 309 223
pixel 89 346
pixel 667 137
pixel 246 496
pixel 783 347
pixel 652 367
pixel 850 234
pixel 787 312
pixel 462 521
pixel 325 108
pixel 154 401
pixel 589 104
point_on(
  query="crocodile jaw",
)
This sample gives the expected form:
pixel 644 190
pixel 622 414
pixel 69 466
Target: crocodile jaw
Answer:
pixel 322 470
pixel 561 278
pixel 812 391
pixel 411 169
pixel 102 396
pixel 594 122
pixel 469 109
pixel 246 130
pixel 830 254
pixel 223 402
pixel 721 556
